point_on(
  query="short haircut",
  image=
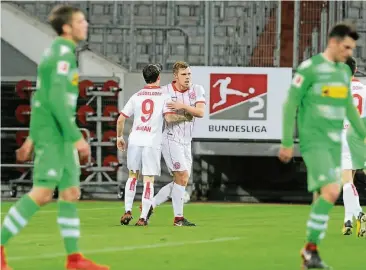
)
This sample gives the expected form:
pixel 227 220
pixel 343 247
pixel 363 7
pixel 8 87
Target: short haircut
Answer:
pixel 151 72
pixel 344 29
pixel 179 65
pixel 351 62
pixel 61 15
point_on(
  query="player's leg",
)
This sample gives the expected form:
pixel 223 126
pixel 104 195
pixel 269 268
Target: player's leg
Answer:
pixel 323 175
pixel 358 155
pixel 150 168
pixel 134 155
pixel 46 175
pixel 68 218
pixel 169 154
pixel 350 197
pixel 181 171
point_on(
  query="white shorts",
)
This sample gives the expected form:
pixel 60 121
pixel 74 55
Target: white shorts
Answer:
pixel 177 156
pixel 144 159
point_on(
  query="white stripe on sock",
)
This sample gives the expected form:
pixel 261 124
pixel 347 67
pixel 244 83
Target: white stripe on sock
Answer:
pixel 70 233
pixel 68 221
pixel 10 226
pixel 322 235
pixel 17 216
pixel 317 226
pixel 317 217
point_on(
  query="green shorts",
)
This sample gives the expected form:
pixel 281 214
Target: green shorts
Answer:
pixel 323 167
pixel 357 149
pixel 56 165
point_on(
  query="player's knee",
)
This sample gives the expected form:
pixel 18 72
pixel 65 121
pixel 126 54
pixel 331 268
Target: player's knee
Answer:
pixel 181 178
pixel 70 195
pixel 149 179
pixel 331 192
pixel 132 174
pixel 41 196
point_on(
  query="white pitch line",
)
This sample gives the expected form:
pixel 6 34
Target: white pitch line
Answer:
pixel 128 248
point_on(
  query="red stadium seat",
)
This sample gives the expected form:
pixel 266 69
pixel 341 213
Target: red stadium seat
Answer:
pixel 111 86
pixel 22 113
pixel 111 161
pixel 83 87
pixel 20 136
pixel 82 112
pixel 111 111
pixel 24 89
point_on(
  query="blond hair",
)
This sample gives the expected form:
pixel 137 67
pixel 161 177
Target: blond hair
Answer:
pixel 179 65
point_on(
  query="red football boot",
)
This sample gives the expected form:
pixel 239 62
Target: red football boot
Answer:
pixel 76 261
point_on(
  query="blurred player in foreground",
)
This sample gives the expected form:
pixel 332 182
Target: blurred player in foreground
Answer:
pixel 353 158
pixel 188 100
pixel 56 140
pixel 144 142
pixel 320 92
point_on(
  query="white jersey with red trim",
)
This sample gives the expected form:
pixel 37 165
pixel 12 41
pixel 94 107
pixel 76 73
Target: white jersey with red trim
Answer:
pixel 182 132
pixel 358 91
pixel 148 106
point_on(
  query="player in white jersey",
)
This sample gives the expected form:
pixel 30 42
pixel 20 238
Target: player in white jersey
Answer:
pixel 187 100
pixel 144 143
pixel 351 149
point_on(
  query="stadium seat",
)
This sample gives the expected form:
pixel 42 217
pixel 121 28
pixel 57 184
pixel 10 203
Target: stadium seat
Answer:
pixel 22 113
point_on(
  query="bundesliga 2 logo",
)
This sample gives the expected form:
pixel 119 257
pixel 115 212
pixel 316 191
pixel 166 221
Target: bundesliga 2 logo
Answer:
pixel 238 96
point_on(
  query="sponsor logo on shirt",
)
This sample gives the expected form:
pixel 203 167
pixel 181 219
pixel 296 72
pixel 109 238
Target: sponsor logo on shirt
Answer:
pixel 334 91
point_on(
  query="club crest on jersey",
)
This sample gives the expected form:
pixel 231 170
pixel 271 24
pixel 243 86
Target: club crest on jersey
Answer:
pixel 334 91
pixel 192 95
pixel 238 96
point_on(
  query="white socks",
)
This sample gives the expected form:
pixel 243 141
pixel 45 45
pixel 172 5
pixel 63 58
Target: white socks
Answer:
pixel 351 201
pixel 147 196
pixel 163 195
pixel 130 191
pixel 177 199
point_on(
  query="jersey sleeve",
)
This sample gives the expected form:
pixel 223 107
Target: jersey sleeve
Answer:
pixel 127 110
pixel 200 95
pixel 166 110
pixel 299 86
pixel 58 100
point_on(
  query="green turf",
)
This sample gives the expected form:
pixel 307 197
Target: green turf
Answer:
pixel 228 236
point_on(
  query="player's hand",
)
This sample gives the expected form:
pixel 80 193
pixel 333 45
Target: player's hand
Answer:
pixel 83 148
pixel 24 153
pixel 285 154
pixel 121 145
pixel 175 105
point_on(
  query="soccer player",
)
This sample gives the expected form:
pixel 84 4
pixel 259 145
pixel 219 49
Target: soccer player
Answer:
pixel 56 140
pixel 320 92
pixel 144 143
pixel 188 101
pixel 353 158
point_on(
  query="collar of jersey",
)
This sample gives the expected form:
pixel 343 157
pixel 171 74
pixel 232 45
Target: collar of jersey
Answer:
pixel 151 87
pixel 67 42
pixel 178 90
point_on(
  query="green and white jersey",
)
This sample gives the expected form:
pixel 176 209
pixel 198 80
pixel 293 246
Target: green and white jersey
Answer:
pixel 320 91
pixel 55 100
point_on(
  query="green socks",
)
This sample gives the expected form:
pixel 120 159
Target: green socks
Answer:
pixel 69 223
pixel 17 217
pixel 318 221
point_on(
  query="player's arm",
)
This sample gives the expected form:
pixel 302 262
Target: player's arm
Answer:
pixel 172 117
pixel 59 101
pixel 127 112
pixel 198 110
pixel 354 118
pixel 300 83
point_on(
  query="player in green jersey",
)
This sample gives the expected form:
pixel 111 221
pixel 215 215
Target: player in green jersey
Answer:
pixel 320 93
pixel 56 139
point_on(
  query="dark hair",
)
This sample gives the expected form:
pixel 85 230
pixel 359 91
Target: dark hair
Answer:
pixel 342 30
pixel 351 62
pixel 61 15
pixel 151 72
